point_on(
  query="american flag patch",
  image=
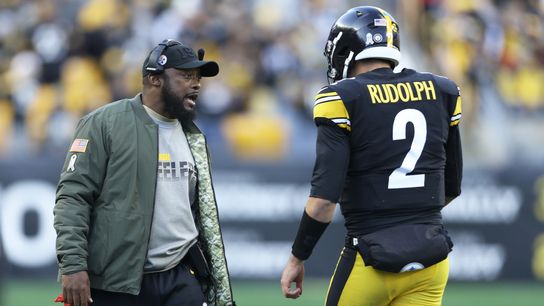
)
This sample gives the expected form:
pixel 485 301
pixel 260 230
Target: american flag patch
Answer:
pixel 380 22
pixel 79 145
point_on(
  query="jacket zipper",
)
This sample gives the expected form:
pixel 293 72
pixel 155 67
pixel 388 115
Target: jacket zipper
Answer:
pixel 154 194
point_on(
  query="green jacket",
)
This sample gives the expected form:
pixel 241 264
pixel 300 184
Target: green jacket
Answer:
pixel 105 198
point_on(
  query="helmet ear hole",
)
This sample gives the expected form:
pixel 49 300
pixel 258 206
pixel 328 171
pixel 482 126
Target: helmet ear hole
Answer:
pixel 340 56
pixel 342 52
pixel 339 64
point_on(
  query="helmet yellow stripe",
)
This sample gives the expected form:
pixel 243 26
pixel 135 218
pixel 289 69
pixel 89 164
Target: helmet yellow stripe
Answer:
pixel 389 27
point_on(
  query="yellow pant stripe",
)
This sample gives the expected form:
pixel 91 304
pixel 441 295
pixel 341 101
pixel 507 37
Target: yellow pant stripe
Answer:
pixel 330 282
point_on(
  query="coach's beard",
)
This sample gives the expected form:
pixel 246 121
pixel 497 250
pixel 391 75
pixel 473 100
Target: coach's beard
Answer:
pixel 174 105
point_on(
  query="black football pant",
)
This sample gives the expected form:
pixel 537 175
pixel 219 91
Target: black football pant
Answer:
pixel 177 286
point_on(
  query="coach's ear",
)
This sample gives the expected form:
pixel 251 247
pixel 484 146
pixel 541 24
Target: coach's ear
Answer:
pixel 155 80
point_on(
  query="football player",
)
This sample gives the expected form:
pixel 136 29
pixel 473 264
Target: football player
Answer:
pixel 389 151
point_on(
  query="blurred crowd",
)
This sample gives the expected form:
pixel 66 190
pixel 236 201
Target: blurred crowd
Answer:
pixel 60 59
pixel 501 42
pixel 494 49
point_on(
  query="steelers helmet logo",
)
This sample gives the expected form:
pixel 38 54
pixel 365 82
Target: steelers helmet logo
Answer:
pixel 162 60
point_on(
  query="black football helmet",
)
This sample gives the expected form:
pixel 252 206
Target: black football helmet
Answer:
pixel 362 32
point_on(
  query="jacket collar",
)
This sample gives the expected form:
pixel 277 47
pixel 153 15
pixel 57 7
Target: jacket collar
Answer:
pixel 137 106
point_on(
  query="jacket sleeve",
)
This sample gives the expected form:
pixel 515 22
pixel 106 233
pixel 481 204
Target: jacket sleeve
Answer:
pixel 80 184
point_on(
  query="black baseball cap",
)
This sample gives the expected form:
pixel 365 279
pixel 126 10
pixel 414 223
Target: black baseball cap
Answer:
pixel 179 56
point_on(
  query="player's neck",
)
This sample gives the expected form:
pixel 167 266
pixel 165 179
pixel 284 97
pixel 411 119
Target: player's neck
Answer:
pixel 366 66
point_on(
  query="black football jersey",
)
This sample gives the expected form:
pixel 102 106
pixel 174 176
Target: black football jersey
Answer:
pixel 385 141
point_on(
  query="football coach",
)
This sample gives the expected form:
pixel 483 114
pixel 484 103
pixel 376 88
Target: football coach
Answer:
pixel 135 213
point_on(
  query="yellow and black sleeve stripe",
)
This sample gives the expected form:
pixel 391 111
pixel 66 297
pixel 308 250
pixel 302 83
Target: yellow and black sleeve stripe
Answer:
pixel 329 105
pixel 456 117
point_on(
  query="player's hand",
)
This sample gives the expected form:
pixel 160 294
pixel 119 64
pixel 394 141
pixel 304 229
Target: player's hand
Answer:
pixel 293 272
pixel 76 289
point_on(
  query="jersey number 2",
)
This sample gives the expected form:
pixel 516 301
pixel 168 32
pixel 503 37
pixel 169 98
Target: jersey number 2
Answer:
pixel 399 178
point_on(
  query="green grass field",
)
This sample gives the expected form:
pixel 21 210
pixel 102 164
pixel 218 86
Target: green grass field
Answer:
pixel 267 293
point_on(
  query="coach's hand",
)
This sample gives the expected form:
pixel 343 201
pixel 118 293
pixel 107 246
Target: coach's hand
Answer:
pixel 76 289
pixel 293 272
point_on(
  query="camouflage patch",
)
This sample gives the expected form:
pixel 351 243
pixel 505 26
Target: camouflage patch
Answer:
pixel 208 224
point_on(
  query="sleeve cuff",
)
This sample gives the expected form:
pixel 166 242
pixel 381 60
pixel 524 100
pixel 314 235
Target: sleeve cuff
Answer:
pixel 70 264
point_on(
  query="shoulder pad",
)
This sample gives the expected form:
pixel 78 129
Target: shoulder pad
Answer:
pixel 347 88
pixel 446 85
pixel 329 107
pixel 450 87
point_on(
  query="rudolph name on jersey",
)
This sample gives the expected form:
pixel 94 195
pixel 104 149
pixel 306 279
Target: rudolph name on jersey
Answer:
pixel 405 92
